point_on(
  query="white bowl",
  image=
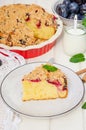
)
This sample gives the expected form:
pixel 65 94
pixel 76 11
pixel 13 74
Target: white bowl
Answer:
pixel 66 21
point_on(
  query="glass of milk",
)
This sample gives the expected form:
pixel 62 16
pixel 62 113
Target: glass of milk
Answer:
pixel 74 40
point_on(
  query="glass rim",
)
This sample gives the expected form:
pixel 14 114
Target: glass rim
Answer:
pixel 78 26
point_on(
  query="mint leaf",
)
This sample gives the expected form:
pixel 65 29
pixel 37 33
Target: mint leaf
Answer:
pixel 84 22
pixel 77 58
pixel 84 106
pixel 50 68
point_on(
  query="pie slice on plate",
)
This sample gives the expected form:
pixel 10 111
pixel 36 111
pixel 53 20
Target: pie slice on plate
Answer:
pixel 44 82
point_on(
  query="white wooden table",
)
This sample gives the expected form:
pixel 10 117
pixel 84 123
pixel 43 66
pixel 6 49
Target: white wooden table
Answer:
pixel 76 119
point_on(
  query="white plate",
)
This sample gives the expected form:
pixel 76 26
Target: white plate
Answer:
pixel 11 93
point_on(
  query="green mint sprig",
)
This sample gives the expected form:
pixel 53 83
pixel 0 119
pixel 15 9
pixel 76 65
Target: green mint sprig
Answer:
pixel 50 68
pixel 77 58
pixel 84 21
pixel 84 105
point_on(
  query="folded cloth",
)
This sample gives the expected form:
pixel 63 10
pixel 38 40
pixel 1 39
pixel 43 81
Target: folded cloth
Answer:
pixel 11 121
pixel 10 60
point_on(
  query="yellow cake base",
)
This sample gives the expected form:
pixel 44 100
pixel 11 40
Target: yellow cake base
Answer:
pixel 41 90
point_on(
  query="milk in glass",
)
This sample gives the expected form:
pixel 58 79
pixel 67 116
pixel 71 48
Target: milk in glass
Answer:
pixel 74 40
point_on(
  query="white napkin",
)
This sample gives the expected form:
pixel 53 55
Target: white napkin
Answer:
pixel 9 120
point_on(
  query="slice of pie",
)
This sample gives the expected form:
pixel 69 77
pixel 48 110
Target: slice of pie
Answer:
pixel 44 82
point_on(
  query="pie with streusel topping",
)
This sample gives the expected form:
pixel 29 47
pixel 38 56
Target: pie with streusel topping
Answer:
pixel 24 25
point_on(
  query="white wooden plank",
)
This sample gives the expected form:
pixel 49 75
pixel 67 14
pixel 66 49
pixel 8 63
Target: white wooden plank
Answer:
pixel 34 124
pixel 84 110
pixel 72 121
pixel 25 1
pixel 5 2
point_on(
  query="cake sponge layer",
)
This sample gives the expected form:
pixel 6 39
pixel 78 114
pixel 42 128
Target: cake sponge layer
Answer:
pixel 41 90
pixel 38 90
